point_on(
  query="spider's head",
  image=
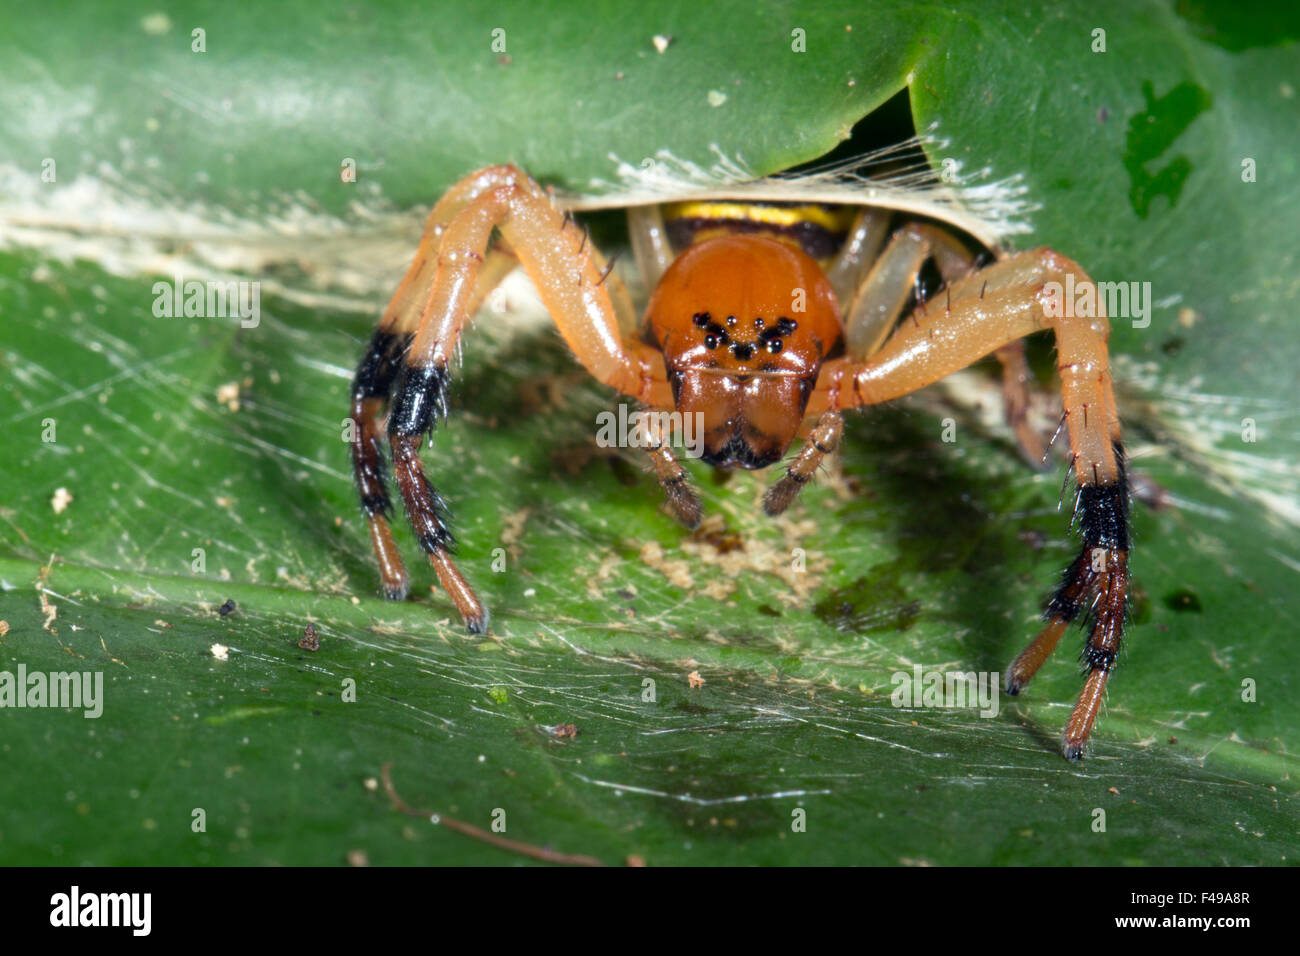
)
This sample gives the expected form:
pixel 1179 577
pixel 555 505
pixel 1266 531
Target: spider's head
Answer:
pixel 744 323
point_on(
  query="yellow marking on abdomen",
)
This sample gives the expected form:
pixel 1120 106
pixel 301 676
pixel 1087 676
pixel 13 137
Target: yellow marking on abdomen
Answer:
pixel 816 229
pixel 831 218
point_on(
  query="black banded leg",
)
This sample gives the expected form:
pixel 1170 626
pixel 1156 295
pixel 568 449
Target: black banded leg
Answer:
pixel 1096 584
pixel 370 389
pixel 822 441
pixel 683 501
pixel 420 398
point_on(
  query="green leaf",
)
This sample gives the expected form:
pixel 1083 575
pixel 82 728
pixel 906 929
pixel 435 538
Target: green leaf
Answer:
pixel 176 434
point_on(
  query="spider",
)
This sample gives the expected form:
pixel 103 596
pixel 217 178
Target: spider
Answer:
pixel 747 329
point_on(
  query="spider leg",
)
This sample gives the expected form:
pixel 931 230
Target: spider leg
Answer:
pixel 986 311
pixel 858 254
pixel 882 295
pixel 373 383
pixel 682 499
pixel 1015 400
pixel 1100 572
pixel 370 388
pixel 823 440
pixel 887 281
pixel 650 246
pixel 444 285
pixel 884 292
pixel 880 284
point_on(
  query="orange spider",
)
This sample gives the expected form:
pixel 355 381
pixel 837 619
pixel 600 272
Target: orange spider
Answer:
pixel 746 329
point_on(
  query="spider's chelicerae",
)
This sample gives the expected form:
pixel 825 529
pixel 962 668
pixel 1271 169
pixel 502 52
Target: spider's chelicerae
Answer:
pixel 748 329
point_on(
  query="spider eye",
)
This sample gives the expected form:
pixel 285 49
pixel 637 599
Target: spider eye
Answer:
pixel 701 319
pixel 716 334
pixel 774 345
pixel 786 326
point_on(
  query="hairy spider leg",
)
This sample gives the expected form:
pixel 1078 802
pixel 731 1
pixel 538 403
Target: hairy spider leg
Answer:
pixel 672 477
pixel 571 278
pixel 654 254
pixel 955 262
pixel 1100 572
pixel 885 282
pixel 874 309
pixel 374 378
pixel 823 440
pixel 983 312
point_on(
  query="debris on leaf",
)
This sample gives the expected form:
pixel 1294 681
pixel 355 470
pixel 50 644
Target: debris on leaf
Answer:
pixel 62 498
pixel 564 730
pixel 220 652
pixel 227 608
pixel 310 640
pixel 51 611
pixel 228 395
pixel 695 680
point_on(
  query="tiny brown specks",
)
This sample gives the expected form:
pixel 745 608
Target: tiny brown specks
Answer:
pixel 513 530
pixel 678 572
pixel 605 571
